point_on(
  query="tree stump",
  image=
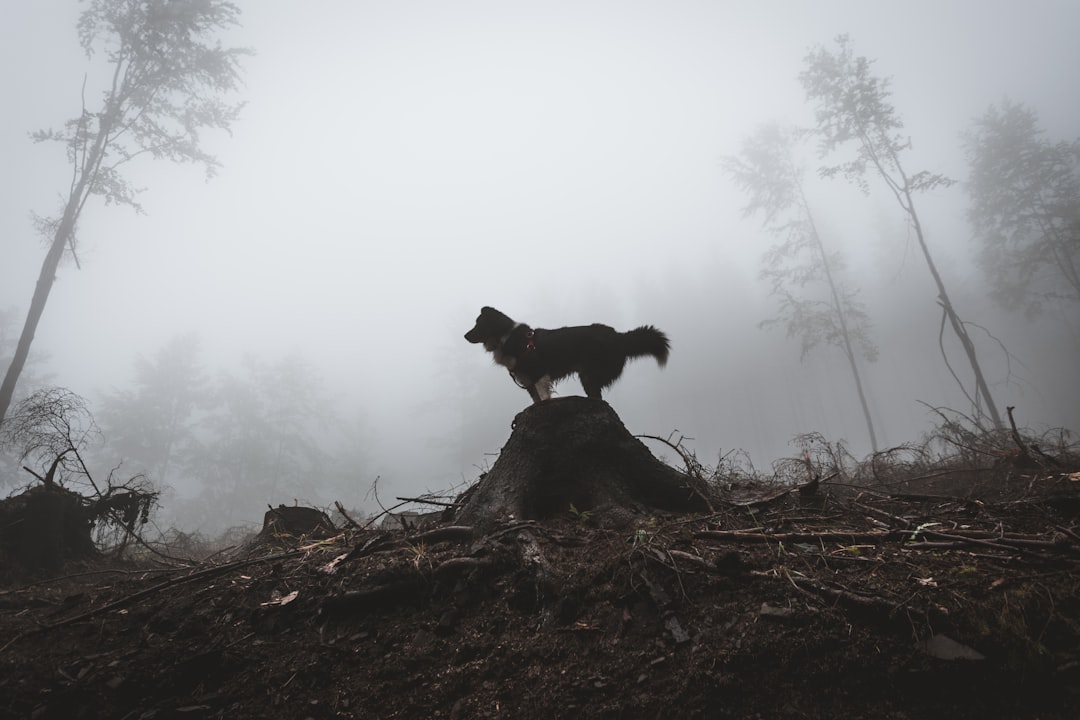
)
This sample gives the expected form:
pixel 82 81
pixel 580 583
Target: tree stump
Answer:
pixel 576 451
pixel 42 527
pixel 284 525
pixel 296 521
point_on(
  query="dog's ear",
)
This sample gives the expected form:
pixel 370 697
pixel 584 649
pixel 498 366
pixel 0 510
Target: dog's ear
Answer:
pixel 486 310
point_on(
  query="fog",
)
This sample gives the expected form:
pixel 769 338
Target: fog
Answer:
pixel 399 165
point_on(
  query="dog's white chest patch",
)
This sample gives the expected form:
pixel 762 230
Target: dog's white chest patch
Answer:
pixel 501 358
pixel 507 361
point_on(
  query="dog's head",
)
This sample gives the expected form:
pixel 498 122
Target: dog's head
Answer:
pixel 491 326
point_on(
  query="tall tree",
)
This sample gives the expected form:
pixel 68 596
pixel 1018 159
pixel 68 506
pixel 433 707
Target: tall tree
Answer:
pixel 767 171
pixel 852 106
pixel 153 422
pixel 167 81
pixel 1025 208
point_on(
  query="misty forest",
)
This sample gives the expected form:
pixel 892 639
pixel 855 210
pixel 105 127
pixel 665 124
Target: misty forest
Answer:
pixel 241 250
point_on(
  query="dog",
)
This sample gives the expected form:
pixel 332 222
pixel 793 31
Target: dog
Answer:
pixel 538 358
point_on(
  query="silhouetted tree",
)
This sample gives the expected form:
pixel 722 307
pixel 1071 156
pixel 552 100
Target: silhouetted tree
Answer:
pixel 852 106
pixel 153 423
pixel 1025 208
pixel 767 171
pixel 168 75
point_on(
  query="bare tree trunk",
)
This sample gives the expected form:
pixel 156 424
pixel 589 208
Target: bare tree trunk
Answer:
pixel 84 173
pixel 981 387
pixel 838 307
pixel 849 352
pixel 862 396
pixel 901 190
pixel 37 304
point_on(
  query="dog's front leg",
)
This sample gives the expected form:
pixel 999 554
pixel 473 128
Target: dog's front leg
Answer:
pixel 541 389
pixel 529 385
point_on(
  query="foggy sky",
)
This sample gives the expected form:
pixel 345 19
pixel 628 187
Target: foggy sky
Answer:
pixel 398 165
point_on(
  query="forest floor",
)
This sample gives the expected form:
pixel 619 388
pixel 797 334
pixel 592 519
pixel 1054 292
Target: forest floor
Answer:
pixel 942 593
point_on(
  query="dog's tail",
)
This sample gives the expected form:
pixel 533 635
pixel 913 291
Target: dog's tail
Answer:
pixel 647 340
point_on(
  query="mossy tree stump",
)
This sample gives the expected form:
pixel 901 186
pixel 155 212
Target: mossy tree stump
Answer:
pixel 576 451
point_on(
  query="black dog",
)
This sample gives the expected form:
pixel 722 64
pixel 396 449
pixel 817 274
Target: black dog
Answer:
pixel 539 358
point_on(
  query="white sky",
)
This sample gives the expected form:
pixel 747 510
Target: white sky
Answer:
pixel 399 164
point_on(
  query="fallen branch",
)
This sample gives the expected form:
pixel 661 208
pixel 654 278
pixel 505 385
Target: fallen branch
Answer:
pixel 379 543
pixel 401 590
pixel 427 501
pixel 847 597
pixel 908 538
pixel 450 533
pixel 870 537
pixel 352 523
pixel 1024 458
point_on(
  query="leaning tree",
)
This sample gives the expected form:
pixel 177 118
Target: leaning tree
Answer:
pixel 168 80
pixel 853 108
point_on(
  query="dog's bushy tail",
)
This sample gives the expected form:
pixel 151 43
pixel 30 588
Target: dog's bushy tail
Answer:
pixel 647 340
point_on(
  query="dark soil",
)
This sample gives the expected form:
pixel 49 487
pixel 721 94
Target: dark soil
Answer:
pixel 948 594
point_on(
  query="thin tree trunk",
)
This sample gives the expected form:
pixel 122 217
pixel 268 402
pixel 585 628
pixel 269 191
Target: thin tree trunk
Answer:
pixel 37 304
pixel 862 396
pixel 957 324
pixel 902 192
pixel 838 307
pixel 85 172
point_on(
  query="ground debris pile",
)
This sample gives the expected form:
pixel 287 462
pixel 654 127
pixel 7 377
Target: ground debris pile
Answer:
pixel 581 578
pixel 828 601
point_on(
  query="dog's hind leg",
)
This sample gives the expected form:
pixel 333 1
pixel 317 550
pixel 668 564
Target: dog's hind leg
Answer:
pixel 592 387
